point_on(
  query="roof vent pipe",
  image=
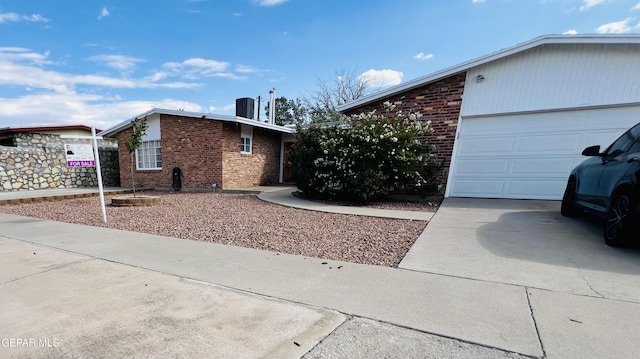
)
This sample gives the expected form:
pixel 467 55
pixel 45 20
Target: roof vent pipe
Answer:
pixel 272 106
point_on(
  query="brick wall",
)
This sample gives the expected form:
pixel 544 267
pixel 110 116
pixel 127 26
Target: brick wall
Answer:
pixel 201 149
pixel 439 102
pixel 261 167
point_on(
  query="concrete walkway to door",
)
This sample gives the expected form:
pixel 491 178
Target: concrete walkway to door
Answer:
pixel 284 196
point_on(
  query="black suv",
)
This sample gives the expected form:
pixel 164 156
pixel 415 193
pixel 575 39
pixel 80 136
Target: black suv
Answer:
pixel 608 185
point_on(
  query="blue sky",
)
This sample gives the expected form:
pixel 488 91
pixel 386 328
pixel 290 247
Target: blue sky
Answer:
pixel 100 63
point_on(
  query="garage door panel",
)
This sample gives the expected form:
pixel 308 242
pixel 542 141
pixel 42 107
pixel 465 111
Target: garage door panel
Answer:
pixel 534 189
pixel 530 155
pixel 612 118
pixel 490 188
pixel 552 143
pixel 485 146
pixel 541 166
pixel 482 168
pixel 491 127
pixel 531 123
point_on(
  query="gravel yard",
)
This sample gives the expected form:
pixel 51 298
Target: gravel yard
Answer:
pixel 246 221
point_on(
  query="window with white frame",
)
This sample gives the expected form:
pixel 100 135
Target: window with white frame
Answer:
pixel 149 156
pixel 246 139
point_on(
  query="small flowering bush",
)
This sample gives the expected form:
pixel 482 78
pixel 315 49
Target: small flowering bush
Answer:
pixel 364 157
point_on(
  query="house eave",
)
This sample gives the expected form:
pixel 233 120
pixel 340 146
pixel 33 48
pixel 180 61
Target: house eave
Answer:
pixel 465 66
pixel 45 128
pixel 113 131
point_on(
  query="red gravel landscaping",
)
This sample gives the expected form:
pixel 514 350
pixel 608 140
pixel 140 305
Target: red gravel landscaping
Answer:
pixel 246 221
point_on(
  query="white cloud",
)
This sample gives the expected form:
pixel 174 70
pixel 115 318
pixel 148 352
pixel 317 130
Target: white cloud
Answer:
pixel 206 65
pixel 22 55
pixel 230 108
pixel 103 13
pixel 118 62
pixel 14 17
pixel 157 76
pixel 22 67
pixel 195 68
pixel 587 4
pixel 246 69
pixel 618 27
pixel 72 108
pixel 570 32
pixel 268 2
pixel 381 78
pixel 45 96
pixel 477 1
pixel 637 7
pixel 423 56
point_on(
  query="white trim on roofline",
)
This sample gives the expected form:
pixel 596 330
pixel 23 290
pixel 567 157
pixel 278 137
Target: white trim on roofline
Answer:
pixel 204 116
pixel 538 41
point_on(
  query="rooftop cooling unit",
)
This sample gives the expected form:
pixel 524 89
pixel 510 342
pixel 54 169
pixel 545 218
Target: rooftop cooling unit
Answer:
pixel 244 107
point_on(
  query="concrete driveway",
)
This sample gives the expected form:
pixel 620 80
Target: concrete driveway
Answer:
pixel 584 296
pixel 526 243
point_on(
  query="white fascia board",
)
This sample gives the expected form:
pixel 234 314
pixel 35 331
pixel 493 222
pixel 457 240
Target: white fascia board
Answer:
pixel 542 40
pixel 205 116
pixel 124 124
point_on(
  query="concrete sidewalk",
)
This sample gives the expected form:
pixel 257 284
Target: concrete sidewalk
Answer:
pixel 493 315
pixel 61 304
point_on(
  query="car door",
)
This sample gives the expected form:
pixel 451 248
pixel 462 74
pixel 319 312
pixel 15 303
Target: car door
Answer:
pixel 619 159
pixel 598 173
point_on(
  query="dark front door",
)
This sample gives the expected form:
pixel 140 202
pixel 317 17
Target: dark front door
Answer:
pixel 287 171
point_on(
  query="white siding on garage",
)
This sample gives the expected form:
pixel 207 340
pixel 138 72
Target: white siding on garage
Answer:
pixel 555 77
pixel 529 156
pixel 524 124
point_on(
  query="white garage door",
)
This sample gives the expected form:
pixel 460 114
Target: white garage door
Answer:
pixel 529 156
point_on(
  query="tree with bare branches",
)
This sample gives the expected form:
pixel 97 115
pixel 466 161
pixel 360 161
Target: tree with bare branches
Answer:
pixel 343 88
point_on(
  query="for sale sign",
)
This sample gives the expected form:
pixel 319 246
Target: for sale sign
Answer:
pixel 79 155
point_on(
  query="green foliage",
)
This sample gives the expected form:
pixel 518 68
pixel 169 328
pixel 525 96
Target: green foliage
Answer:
pixel 324 115
pixel 288 111
pixel 139 129
pixel 364 157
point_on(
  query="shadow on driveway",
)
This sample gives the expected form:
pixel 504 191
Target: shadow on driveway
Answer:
pixel 545 236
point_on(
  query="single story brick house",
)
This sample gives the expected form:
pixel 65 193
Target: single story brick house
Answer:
pixel 233 151
pixel 512 124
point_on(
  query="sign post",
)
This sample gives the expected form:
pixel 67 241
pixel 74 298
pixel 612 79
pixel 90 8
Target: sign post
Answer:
pixel 78 156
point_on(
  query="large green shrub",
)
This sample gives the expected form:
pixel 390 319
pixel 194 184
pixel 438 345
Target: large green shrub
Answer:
pixel 364 157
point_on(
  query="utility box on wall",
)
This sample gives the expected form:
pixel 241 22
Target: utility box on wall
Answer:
pixel 244 107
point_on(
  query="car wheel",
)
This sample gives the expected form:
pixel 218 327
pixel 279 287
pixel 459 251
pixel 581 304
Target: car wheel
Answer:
pixel 619 219
pixel 568 208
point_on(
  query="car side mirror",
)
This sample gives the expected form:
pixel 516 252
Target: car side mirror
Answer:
pixel 592 151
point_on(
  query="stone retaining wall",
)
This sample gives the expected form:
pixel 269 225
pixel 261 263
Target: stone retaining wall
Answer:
pixel 40 140
pixel 44 166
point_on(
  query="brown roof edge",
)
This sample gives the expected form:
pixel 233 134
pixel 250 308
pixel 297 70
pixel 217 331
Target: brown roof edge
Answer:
pixel 46 128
